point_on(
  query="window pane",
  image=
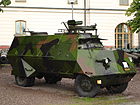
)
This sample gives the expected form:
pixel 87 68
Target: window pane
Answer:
pixel 120 43
pixel 120 28
pixel 20 0
pixel 124 2
pixel 125 43
pixel 22 27
pixel 115 30
pixel 126 36
pixel 17 27
pixel 119 46
pixel 119 36
pixel 125 28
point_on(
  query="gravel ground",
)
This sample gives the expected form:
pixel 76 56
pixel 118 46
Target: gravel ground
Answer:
pixel 61 93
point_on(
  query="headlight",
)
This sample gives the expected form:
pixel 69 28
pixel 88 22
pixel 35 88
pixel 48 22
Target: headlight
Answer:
pixel 125 64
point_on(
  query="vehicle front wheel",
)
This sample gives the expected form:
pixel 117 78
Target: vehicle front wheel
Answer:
pixel 117 88
pixel 25 81
pixel 85 87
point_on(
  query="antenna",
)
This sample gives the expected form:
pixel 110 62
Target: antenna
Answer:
pixel 72 2
pixel 85 12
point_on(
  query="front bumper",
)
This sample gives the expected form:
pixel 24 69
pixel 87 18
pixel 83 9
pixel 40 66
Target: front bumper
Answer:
pixel 114 79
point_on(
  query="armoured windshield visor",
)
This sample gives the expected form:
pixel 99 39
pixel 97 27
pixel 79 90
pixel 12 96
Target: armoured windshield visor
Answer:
pixel 89 43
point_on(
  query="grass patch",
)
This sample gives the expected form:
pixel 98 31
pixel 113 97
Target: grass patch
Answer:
pixel 106 100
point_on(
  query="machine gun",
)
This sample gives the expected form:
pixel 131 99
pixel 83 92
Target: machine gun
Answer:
pixel 32 33
pixel 73 26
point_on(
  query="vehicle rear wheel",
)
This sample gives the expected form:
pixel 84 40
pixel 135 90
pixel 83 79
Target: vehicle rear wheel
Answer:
pixel 117 88
pixel 25 81
pixel 85 87
pixel 52 79
pixel 3 60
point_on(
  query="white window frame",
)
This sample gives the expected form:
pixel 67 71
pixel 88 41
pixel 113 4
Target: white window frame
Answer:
pixel 20 0
pixel 124 2
pixel 20 27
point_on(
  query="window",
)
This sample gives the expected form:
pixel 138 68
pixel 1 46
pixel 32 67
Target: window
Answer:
pixel 124 2
pixel 20 0
pixel 123 36
pixel 20 26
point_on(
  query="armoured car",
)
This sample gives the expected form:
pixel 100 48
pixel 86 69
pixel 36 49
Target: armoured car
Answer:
pixel 76 53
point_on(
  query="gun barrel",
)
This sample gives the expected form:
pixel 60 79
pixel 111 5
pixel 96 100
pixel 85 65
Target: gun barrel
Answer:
pixel 136 54
pixel 133 56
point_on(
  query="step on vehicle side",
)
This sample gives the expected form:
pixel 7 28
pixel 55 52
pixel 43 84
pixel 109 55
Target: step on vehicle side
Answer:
pixel 77 54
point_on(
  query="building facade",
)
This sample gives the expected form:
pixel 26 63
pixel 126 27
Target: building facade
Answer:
pixel 47 15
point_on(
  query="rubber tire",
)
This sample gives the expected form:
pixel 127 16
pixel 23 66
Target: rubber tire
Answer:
pixel 52 79
pixel 114 89
pixel 25 81
pixel 82 93
pixel 3 60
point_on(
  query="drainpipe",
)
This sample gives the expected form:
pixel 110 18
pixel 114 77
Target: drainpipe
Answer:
pixel 138 39
pixel 84 12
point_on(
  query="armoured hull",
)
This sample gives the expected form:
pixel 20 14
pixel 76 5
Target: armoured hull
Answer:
pixel 60 54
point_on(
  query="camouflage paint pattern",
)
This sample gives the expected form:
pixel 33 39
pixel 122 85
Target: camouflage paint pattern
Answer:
pixel 46 53
pixel 65 54
pixel 87 61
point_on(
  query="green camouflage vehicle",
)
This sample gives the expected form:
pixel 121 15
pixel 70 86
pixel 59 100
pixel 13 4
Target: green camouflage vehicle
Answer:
pixel 77 54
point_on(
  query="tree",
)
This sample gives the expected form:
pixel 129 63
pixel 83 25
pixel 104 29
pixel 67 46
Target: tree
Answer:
pixel 134 10
pixel 4 3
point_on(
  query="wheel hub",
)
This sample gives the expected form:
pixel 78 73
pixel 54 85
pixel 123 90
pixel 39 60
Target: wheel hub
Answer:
pixel 86 85
pixel 20 80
